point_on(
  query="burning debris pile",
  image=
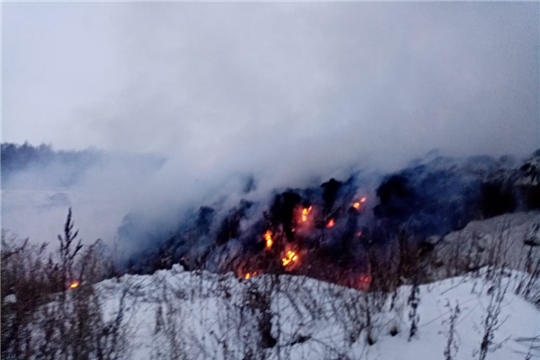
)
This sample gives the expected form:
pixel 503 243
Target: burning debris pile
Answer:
pixel 332 232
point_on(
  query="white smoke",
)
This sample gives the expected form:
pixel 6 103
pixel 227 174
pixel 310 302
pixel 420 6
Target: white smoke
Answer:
pixel 289 93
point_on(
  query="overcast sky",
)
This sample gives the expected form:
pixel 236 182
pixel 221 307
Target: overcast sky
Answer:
pixel 292 92
pixel 238 85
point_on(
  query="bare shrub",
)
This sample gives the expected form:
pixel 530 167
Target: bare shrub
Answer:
pixel 492 322
pixel 528 284
pixel 50 307
pixel 169 329
pixel 24 289
pixel 452 343
pixel 413 301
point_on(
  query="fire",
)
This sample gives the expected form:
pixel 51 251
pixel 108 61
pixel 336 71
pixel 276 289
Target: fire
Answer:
pixel 364 282
pixel 358 204
pixel 249 275
pixel 331 223
pixel 365 279
pixel 359 234
pixel 74 285
pixel 291 257
pixel 268 237
pixel 305 213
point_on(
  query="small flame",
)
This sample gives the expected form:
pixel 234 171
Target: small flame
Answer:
pixel 291 256
pixel 250 275
pixel 331 223
pixel 268 237
pixel 305 213
pixel 74 285
pixel 365 279
pixel 358 204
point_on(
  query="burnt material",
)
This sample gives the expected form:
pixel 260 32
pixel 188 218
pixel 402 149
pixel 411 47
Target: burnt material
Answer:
pixel 205 219
pixel 497 199
pixel 331 189
pixel 397 198
pixel 230 227
pixel 282 211
pixel 330 234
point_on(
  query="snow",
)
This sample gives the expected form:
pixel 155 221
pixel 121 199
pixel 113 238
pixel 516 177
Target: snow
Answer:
pixel 476 243
pixel 10 299
pixel 218 317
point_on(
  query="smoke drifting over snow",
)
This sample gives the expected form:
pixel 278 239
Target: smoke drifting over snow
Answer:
pixel 291 94
pixel 39 184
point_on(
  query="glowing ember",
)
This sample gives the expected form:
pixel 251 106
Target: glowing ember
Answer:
pixel 268 237
pixel 291 257
pixel 250 275
pixel 363 200
pixel 359 234
pixel 365 279
pixel 305 213
pixel 74 285
pixel 331 223
pixel 356 205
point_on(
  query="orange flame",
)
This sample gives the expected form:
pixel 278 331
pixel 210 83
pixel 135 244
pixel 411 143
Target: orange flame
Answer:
pixel 291 256
pixel 74 285
pixel 305 213
pixel 331 223
pixel 250 275
pixel 358 204
pixel 268 237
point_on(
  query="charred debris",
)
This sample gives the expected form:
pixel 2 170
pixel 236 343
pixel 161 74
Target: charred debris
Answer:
pixel 340 230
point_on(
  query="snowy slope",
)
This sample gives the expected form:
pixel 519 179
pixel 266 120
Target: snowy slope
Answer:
pixel 177 314
pixel 506 237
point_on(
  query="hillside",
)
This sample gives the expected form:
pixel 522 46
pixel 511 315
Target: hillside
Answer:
pixel 222 317
pixel 490 312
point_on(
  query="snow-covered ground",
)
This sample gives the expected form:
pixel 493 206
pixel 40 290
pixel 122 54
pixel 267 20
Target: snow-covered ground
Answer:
pixel 477 243
pixel 175 314
pixel 178 314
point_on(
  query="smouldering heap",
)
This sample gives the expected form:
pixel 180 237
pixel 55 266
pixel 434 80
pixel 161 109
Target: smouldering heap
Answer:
pixel 304 221
pixel 322 225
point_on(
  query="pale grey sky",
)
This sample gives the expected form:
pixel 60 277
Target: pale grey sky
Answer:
pixel 290 92
pixel 242 85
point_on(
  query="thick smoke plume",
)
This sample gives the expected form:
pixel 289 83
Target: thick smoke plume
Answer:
pixel 337 222
pixel 242 227
pixel 243 103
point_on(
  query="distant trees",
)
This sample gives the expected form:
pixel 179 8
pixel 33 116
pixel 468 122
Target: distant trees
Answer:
pixel 18 158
